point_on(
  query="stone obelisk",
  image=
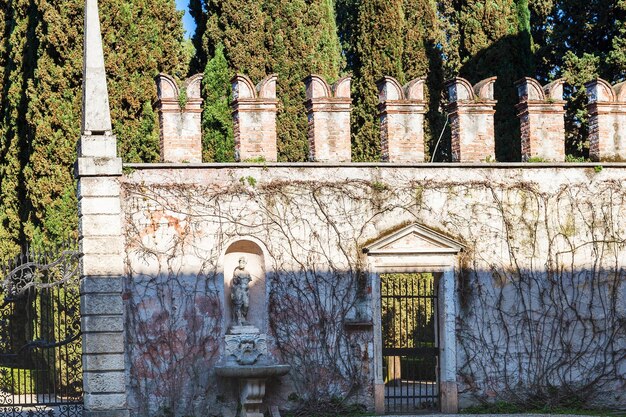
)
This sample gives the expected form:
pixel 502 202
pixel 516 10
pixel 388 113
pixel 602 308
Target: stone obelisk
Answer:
pixel 98 170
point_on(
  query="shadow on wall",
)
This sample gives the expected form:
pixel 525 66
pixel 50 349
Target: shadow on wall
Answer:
pixel 537 337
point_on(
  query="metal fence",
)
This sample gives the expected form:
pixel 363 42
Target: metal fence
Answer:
pixel 40 338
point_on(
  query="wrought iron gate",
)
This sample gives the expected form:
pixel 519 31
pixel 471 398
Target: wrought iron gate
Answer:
pixel 410 342
pixel 40 339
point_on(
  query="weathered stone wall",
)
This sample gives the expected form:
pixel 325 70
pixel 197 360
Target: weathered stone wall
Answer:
pixel 540 287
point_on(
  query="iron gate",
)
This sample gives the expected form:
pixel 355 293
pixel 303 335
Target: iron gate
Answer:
pixel 410 342
pixel 40 339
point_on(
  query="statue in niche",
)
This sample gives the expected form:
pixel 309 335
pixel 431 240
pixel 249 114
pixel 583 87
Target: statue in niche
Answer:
pixel 239 292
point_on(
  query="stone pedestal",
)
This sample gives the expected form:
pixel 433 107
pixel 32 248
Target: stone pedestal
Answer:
pixel 251 394
pixel 246 329
pixel 247 359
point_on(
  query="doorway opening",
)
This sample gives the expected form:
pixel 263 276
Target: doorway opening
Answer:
pixel 410 343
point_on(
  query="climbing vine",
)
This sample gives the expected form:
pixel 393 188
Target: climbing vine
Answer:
pixel 540 284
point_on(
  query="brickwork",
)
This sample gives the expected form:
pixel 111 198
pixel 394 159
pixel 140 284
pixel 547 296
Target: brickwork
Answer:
pixel 254 117
pixel 328 111
pixel 160 230
pixel 401 120
pixel 607 121
pixel 542 117
pixel 471 111
pixel 181 131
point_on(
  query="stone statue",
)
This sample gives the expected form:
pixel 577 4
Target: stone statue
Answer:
pixel 239 293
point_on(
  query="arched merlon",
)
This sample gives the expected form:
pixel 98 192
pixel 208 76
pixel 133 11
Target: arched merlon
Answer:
pixel 244 88
pixel 601 91
pixel 317 87
pixel 389 89
pixel 529 89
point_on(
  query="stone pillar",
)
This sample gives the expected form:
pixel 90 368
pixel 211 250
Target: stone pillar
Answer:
pixel 98 170
pixel 181 128
pixel 542 118
pixel 401 120
pixel 447 338
pixel 607 121
pixel 254 116
pixel 328 110
pixel 471 111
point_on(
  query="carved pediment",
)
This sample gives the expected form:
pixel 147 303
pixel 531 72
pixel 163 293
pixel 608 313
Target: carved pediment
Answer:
pixel 414 239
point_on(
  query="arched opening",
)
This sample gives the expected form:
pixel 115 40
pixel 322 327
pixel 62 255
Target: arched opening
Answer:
pixel 252 253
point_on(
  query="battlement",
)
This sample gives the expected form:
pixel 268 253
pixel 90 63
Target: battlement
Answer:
pixel 470 112
pixel 181 133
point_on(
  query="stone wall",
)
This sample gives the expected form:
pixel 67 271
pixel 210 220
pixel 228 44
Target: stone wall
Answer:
pixel 531 280
pixel 539 290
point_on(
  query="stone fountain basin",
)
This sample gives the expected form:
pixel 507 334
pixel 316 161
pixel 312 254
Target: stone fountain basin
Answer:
pixel 251 371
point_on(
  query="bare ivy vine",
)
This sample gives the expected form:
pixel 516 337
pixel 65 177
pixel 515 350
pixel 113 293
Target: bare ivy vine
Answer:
pixel 541 283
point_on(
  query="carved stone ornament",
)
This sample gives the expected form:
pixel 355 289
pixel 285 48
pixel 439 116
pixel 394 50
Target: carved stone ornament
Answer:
pixel 246 349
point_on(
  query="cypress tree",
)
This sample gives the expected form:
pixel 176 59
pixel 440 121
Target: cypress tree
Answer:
pixel 581 40
pixel 396 38
pixel 41 60
pixel 53 124
pixel 217 123
pixel 378 52
pixel 494 39
pixel 292 38
pixel 18 56
pixel 5 237
pixel 141 38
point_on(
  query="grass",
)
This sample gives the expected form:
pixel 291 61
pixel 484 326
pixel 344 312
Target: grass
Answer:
pixel 502 407
pixel 16 380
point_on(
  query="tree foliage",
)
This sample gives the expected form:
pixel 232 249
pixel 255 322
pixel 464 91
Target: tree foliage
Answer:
pixel 494 40
pixel 290 38
pixel 40 80
pixel 580 40
pixel 217 123
pixel 396 38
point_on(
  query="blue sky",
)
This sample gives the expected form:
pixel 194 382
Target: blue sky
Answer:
pixel 188 22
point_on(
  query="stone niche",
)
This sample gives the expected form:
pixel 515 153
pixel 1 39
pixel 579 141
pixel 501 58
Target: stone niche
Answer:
pixel 255 265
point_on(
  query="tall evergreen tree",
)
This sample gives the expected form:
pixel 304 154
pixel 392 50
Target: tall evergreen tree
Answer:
pixel 40 112
pixel 5 237
pixel 292 38
pixel 141 38
pixel 495 39
pixel 582 40
pixel 217 124
pixel 617 56
pixel 20 21
pixel 397 38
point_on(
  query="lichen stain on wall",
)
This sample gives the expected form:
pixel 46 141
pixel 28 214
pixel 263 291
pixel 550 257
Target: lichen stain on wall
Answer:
pixel 535 238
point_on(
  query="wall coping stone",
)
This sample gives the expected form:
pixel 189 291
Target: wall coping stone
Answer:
pixel 434 165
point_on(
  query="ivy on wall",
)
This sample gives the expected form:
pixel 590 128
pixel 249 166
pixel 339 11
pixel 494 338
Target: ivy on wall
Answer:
pixel 541 286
